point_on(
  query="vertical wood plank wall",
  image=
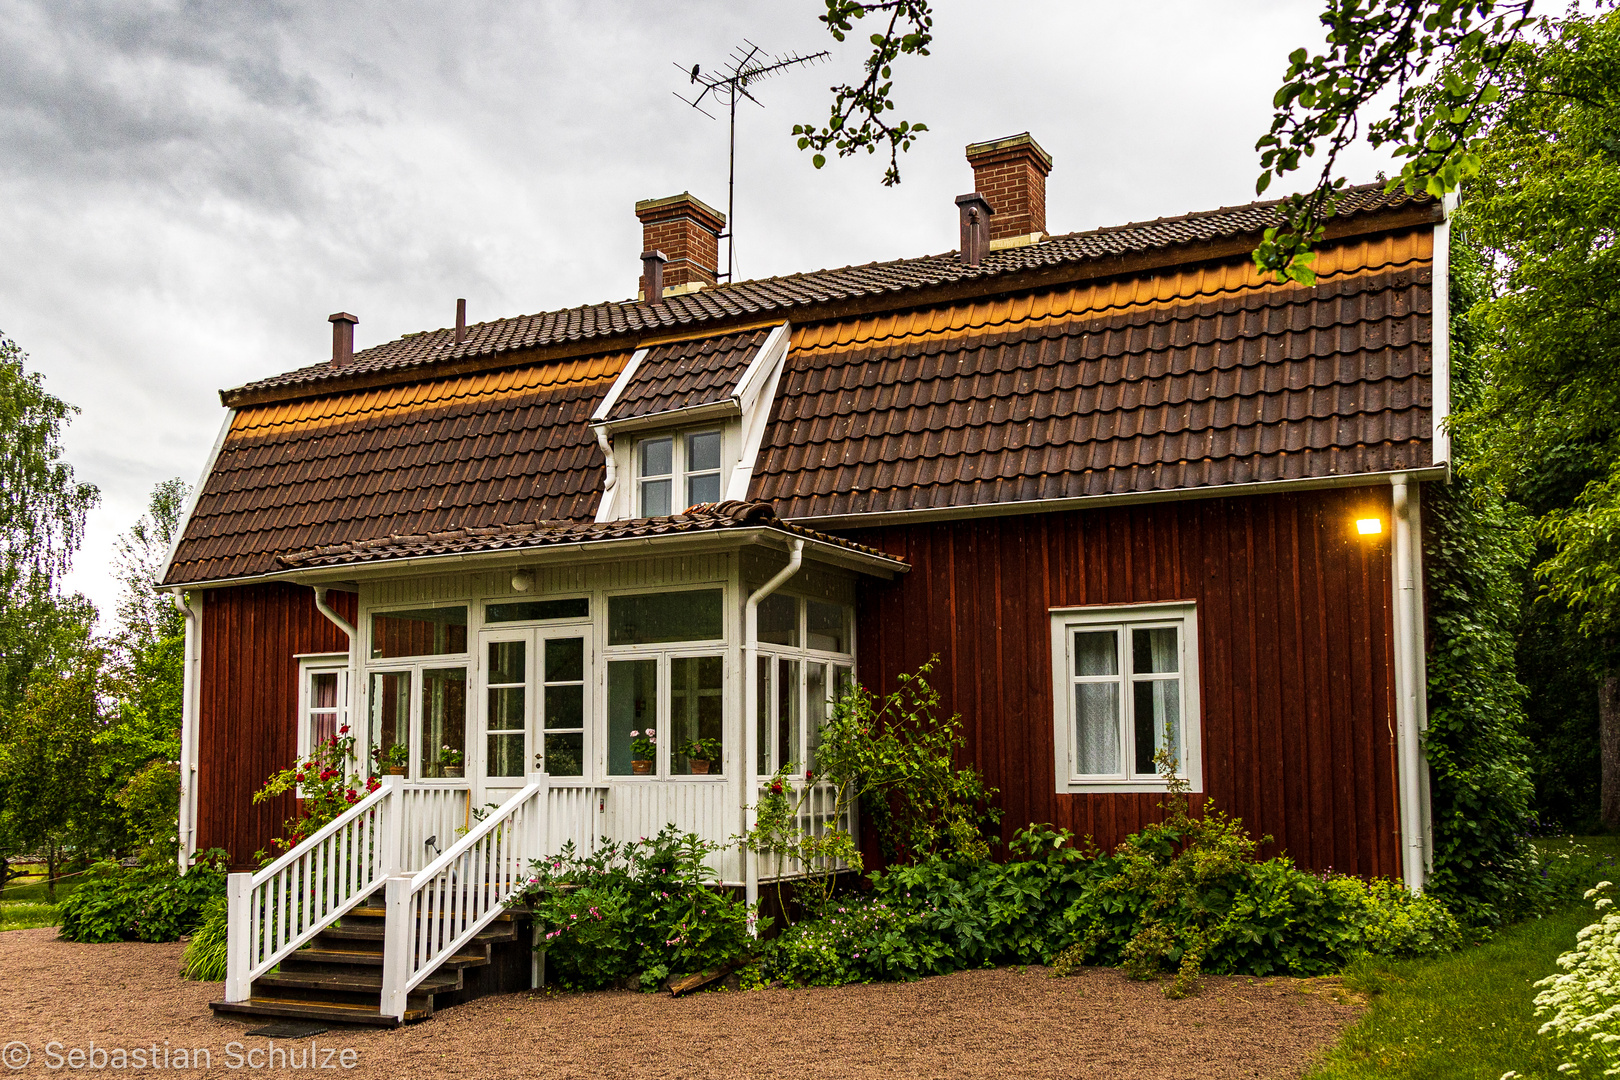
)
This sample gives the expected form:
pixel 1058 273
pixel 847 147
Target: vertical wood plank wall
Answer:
pixel 248 723
pixel 1295 650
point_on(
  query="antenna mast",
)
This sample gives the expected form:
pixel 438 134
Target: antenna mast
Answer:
pixel 746 64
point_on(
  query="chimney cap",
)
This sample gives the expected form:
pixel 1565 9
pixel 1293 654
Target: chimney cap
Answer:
pixel 975 197
pixel 1013 146
pixel 659 255
pixel 672 206
pixel 343 316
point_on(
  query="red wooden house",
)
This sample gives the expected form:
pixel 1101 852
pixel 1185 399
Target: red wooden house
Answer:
pixel 1132 492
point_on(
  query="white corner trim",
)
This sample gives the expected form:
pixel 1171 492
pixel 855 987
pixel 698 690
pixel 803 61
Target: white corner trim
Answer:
pixel 191 499
pixel 755 394
pixel 1440 353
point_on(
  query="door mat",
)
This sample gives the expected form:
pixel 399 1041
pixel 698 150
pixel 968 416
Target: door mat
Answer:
pixel 289 1029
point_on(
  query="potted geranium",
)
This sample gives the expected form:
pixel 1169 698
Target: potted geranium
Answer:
pixel 643 750
pixel 451 761
pixel 394 761
pixel 701 754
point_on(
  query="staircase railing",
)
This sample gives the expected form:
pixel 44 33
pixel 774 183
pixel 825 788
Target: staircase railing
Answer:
pixel 434 913
pixel 275 911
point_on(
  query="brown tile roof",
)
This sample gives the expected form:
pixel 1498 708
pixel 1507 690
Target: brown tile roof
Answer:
pixel 498 449
pixel 781 296
pixel 707 517
pixel 687 374
pixel 1203 378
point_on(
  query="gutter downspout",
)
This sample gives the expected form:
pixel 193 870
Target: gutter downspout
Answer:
pixel 1409 689
pixel 750 806
pixel 190 681
pixel 333 617
pixel 611 482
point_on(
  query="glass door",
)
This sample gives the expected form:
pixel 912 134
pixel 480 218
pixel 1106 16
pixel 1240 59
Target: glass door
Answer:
pixel 534 707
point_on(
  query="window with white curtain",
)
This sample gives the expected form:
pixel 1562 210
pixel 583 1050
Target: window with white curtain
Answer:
pixel 1125 696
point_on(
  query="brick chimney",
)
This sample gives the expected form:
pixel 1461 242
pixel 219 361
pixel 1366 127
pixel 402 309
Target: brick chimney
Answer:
pixel 687 232
pixel 342 337
pixel 1011 174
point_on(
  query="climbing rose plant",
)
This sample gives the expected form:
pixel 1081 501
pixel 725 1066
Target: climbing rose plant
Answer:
pixel 328 782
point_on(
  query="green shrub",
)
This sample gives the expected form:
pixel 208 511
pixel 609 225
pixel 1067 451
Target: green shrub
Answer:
pixel 204 958
pixel 146 903
pixel 646 909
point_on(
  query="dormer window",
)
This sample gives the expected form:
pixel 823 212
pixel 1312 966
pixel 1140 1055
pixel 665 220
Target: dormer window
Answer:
pixel 685 466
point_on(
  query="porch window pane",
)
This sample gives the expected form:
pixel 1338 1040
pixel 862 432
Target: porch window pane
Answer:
pixel 1096 745
pixel 788 751
pixel 444 720
pixel 565 753
pixel 420 632
pixel 565 707
pixel 632 707
pixel 323 707
pixel 818 709
pixel 826 627
pixel 648 618
pixel 1096 652
pixel 696 686
pixel 507 662
pixel 390 717
pixel 779 620
pixel 763 700
pixel 565 660
pixel 506 708
pixel 1157 706
pixel 577 607
pixel 505 754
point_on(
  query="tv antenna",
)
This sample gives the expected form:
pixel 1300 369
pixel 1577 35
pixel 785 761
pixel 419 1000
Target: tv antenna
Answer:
pixel 748 63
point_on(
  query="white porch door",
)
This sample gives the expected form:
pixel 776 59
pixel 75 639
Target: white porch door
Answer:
pixel 535 708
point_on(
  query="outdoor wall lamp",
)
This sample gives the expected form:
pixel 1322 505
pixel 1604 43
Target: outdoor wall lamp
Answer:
pixel 1369 526
pixel 522 581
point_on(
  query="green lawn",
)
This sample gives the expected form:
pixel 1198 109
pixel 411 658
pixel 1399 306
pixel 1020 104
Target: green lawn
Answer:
pixel 25 903
pixel 1469 1015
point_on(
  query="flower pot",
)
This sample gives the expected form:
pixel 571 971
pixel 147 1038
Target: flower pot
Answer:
pixel 454 771
pixel 641 768
pixel 396 770
pixel 700 767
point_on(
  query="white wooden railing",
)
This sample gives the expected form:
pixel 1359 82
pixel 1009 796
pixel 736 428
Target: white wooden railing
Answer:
pixel 281 907
pixel 817 811
pixel 434 913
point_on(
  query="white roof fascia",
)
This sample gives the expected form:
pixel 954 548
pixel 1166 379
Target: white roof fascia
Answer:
pixel 755 394
pixel 822 522
pixel 1440 360
pixel 196 492
pixel 618 386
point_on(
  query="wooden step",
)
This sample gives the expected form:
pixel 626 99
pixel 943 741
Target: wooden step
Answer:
pixel 316 1010
pixel 358 982
pixel 374 958
pixel 374 930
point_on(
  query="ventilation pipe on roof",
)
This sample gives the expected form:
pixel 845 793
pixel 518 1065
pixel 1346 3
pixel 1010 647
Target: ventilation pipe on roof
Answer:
pixel 342 337
pixel 975 212
pixel 461 320
pixel 652 275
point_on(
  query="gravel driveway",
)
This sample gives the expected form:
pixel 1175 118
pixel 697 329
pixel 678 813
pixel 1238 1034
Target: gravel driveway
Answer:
pixel 976 1023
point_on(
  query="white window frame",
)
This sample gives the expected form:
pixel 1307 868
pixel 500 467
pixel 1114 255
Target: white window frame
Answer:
pixel 416 666
pixel 1124 617
pixel 679 477
pixel 830 662
pixel 321 663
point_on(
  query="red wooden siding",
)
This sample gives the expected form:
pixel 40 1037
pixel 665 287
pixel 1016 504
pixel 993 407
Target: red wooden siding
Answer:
pixel 1295 654
pixel 249 710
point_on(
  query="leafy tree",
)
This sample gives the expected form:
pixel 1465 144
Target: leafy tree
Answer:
pixel 50 782
pixel 42 513
pixel 1546 210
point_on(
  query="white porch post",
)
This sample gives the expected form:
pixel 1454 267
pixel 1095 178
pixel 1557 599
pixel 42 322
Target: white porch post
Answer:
pixel 391 824
pixel 751 714
pixel 241 932
pixel 396 946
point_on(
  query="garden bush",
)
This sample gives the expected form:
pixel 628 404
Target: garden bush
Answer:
pixel 154 902
pixel 643 910
pixel 1582 1005
pixel 204 958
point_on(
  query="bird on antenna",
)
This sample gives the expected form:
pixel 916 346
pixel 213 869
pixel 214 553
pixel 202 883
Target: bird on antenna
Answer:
pixel 748 63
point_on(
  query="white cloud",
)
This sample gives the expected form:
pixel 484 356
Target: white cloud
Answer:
pixel 189 189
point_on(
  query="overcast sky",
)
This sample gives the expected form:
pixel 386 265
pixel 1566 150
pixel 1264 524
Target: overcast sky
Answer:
pixel 187 190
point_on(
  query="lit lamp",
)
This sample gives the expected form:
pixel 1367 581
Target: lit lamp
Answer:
pixel 1369 526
